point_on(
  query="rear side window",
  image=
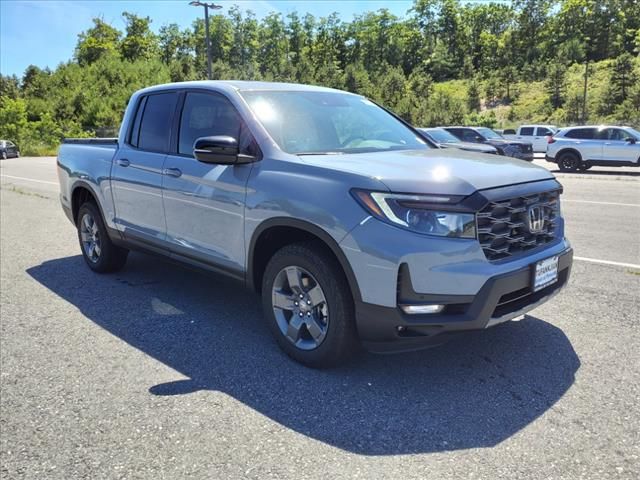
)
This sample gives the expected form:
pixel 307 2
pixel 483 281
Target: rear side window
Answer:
pixel 205 115
pixel 544 131
pixel 155 128
pixel 581 133
pixel 526 131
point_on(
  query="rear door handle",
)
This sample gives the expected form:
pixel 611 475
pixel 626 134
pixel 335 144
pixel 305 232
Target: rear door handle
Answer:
pixel 123 162
pixel 172 172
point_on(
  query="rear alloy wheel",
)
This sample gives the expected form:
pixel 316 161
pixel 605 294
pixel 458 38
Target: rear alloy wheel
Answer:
pixel 98 250
pixel 308 305
pixel 569 162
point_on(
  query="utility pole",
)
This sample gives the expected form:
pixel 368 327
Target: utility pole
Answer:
pixel 207 6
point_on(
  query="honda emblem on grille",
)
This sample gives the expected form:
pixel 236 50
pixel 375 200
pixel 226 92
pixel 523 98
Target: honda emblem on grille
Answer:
pixel 535 216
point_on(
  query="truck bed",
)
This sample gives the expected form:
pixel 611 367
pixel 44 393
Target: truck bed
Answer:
pixel 91 141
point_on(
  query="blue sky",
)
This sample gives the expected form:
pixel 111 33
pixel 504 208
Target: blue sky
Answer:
pixel 45 32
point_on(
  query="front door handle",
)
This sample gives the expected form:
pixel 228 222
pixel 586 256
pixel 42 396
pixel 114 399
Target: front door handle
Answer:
pixel 123 162
pixel 172 172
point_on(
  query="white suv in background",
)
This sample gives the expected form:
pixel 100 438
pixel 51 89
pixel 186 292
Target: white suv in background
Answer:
pixel 580 148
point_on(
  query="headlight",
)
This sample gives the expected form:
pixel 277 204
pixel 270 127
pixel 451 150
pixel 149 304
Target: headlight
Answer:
pixel 418 213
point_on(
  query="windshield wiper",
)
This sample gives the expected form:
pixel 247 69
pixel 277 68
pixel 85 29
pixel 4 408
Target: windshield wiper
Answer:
pixel 320 153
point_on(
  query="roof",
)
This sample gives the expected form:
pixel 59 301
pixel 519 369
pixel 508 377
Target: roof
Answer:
pixel 243 85
pixel 596 126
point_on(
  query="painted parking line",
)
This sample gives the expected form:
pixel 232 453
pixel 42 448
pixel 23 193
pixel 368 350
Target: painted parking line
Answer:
pixel 563 200
pixel 607 262
pixel 28 179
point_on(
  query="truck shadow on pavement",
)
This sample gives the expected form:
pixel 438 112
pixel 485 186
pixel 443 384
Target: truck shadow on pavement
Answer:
pixel 476 391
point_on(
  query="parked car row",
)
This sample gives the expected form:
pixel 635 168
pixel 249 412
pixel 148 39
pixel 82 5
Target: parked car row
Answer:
pixel 478 139
pixel 571 148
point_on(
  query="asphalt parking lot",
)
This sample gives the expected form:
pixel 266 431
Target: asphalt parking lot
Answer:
pixel 160 372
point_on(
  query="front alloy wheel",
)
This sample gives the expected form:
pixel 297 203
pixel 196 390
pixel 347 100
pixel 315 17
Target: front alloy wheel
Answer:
pixel 90 237
pixel 300 307
pixel 308 305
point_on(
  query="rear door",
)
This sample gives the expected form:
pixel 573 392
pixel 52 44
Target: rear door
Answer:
pixel 137 171
pixel 204 203
pixel 618 147
pixel 587 142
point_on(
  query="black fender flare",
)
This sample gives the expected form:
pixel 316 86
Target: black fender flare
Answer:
pixel 312 229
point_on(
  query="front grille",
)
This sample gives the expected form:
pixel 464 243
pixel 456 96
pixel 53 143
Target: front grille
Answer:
pixel 503 227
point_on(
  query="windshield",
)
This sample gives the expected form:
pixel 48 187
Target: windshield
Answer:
pixel 307 122
pixel 441 136
pixel 487 133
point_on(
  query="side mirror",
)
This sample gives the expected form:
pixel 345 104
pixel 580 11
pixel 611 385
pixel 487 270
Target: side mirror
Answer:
pixel 631 140
pixel 220 149
pixel 478 139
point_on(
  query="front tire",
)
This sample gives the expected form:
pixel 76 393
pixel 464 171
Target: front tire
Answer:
pixel 308 305
pixel 569 162
pixel 99 252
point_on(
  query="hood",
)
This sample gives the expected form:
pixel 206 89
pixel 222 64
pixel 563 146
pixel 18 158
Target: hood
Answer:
pixel 445 171
pixel 504 141
pixel 470 146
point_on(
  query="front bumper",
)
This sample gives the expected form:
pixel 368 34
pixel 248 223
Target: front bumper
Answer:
pixel 502 298
pixel 528 156
pixel 550 159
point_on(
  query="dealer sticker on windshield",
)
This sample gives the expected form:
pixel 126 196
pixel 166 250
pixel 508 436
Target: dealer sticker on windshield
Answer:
pixel 546 273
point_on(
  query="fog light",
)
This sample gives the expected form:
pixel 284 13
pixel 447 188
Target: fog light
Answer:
pixel 421 309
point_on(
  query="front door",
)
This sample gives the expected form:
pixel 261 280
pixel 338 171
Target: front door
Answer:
pixel 618 146
pixel 137 170
pixel 204 203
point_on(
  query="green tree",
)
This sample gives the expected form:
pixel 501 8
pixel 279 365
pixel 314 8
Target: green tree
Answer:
pixel 473 96
pixel 622 77
pixel 102 39
pixel 139 43
pixel 556 84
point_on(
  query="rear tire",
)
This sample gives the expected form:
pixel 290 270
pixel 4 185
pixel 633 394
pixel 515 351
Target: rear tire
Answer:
pixel 308 305
pixel 569 162
pixel 98 251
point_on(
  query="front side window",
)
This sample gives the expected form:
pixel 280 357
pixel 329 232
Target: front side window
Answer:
pixel 155 128
pixel 206 115
pixel 312 122
pixel 619 134
pixel 544 131
pixel 526 131
pixel 471 136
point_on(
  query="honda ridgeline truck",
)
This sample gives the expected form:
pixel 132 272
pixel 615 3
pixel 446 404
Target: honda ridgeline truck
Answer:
pixel 349 223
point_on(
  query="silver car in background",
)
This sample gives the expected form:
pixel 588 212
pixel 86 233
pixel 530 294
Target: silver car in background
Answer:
pixel 444 139
pixel 580 148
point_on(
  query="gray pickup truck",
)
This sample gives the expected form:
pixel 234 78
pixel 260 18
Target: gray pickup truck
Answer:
pixel 354 229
